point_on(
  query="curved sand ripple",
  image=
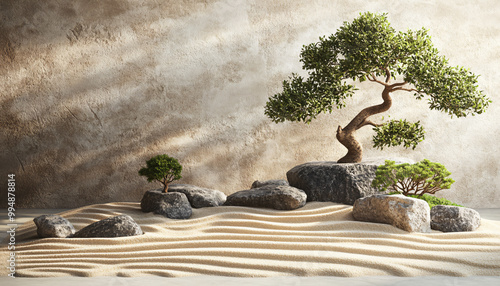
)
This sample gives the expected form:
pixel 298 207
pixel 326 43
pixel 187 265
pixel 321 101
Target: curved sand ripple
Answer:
pixel 320 239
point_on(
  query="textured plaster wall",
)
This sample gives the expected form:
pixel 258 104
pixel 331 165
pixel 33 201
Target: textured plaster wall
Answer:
pixel 91 89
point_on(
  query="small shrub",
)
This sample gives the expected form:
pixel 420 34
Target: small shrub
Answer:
pixel 412 179
pixel 163 169
pixel 432 200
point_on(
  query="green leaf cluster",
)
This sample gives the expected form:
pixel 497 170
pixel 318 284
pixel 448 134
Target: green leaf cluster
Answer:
pixel 304 99
pixel 163 169
pixel 398 132
pixel 415 179
pixel 451 89
pixel 432 200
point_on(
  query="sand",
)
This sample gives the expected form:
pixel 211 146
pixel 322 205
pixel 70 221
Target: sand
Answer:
pixel 320 239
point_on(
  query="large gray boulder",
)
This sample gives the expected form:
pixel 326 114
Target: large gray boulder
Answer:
pixel 270 196
pixel 118 226
pixel 336 182
pixel 199 197
pixel 403 212
pixel 258 184
pixel 173 205
pixel 454 219
pixel 53 226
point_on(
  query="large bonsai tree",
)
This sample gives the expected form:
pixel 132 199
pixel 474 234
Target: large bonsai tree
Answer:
pixel 370 49
pixel 163 169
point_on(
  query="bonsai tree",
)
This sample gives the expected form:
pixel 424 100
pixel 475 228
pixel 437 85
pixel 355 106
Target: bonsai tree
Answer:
pixel 416 179
pixel 163 169
pixel 370 49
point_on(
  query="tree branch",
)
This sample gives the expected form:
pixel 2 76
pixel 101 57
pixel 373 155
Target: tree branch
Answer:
pixel 406 89
pixel 387 75
pixel 368 122
pixel 374 79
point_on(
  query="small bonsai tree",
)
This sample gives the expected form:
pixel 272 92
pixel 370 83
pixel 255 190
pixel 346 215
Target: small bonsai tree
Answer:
pixel 416 179
pixel 163 169
pixel 370 49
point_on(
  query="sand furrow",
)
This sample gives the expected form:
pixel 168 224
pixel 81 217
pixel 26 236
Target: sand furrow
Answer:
pixel 283 252
pixel 296 263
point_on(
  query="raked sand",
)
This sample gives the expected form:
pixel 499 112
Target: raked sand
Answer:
pixel 320 239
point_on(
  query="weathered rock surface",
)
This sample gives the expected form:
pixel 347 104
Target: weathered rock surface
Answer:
pixel 199 197
pixel 454 219
pixel 118 226
pixel 336 182
pixel 258 184
pixel 173 205
pixel 53 226
pixel 403 212
pixel 270 196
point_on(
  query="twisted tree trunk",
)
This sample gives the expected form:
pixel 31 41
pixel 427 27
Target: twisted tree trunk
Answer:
pixel 346 135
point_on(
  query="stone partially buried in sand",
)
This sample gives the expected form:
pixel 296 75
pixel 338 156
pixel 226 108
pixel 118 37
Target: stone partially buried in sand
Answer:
pixel 173 205
pixel 53 226
pixel 118 226
pixel 454 219
pixel 403 212
pixel 270 196
pixel 199 197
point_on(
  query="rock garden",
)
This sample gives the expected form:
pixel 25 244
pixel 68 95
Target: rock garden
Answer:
pixel 365 185
pixel 398 62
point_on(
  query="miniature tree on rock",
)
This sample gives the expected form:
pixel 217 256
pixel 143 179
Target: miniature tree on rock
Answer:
pixel 163 169
pixel 370 49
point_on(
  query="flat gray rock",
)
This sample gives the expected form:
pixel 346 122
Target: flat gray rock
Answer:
pixel 199 197
pixel 258 184
pixel 454 219
pixel 403 212
pixel 118 226
pixel 53 226
pixel 173 205
pixel 270 196
pixel 336 182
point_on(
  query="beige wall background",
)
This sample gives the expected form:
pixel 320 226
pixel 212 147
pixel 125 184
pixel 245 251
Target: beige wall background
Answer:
pixel 91 89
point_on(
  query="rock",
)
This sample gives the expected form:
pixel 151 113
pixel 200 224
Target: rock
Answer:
pixel 53 226
pixel 118 226
pixel 199 197
pixel 258 184
pixel 453 219
pixel 403 212
pixel 173 205
pixel 270 196
pixel 336 182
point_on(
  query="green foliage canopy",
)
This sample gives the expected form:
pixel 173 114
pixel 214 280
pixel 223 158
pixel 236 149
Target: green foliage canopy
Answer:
pixel 412 179
pixel 163 169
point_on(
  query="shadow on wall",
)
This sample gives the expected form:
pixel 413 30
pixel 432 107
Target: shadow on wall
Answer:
pixel 94 88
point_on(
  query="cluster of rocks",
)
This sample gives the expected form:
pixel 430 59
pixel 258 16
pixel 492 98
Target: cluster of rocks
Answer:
pixel 57 226
pixel 321 181
pixel 315 181
pixel 178 202
pixel 414 215
pixel 351 184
